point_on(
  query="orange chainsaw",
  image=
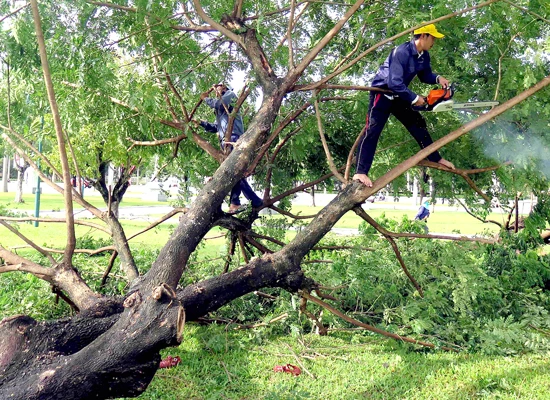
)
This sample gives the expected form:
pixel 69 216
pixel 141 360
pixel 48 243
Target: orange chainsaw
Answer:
pixel 441 100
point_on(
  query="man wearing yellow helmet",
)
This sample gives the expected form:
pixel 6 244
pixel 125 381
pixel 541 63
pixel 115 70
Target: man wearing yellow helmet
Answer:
pixel 396 73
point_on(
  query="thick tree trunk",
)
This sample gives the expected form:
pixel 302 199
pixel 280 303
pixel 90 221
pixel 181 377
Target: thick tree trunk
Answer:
pixel 113 349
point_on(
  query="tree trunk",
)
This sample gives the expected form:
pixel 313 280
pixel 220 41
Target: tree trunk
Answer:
pixel 19 191
pixel 5 174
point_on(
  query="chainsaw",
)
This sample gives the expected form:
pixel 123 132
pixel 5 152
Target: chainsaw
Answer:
pixel 441 100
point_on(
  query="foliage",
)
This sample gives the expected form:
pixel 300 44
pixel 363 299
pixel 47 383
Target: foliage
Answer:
pixel 493 299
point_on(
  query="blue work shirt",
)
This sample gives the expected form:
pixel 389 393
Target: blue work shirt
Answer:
pixel 221 108
pixel 400 68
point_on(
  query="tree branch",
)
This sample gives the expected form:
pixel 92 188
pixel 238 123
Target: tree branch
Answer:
pixel 360 212
pixel 16 263
pixel 299 69
pixel 352 152
pixel 71 237
pixel 367 326
pixel 538 16
pixel 29 242
pixel 159 221
pixel 485 221
pixel 222 29
pixel 56 220
pixel 456 171
pixel 391 39
pixel 14 12
pixel 324 142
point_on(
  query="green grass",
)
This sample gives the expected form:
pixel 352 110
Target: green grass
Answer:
pixel 54 235
pixel 54 202
pixel 220 363
pixel 441 221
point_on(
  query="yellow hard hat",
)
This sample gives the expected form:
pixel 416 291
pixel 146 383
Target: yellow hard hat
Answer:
pixel 430 30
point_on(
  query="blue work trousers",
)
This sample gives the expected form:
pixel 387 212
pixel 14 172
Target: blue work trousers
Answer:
pixel 242 187
pixel 380 108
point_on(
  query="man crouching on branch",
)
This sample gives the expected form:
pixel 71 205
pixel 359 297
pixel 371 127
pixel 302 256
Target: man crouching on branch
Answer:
pixel 396 73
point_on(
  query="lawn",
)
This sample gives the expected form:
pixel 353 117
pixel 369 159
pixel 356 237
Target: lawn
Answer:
pixel 54 202
pixel 221 363
pixel 443 220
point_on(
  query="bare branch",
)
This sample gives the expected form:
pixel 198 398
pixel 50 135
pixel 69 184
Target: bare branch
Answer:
pixel 288 119
pixel 289 34
pixel 303 88
pixel 71 237
pixel 284 37
pixel 29 242
pixel 272 240
pixel 391 39
pixel 299 69
pixel 90 252
pixel 232 115
pixel 14 12
pixel 8 110
pixel 79 199
pixel 538 16
pixel 57 220
pixel 286 213
pixel 352 152
pixel 16 263
pixel 367 326
pixel 299 188
pixel 192 28
pixel 459 172
pixel 485 221
pixel 258 245
pixel 324 142
pixel 359 211
pixel 29 145
pixel 269 173
pixel 108 269
pixel 243 247
pixel 230 252
pixel 159 221
pixel 222 29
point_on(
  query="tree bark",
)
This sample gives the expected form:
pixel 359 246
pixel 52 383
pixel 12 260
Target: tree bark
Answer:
pixel 5 173
pixel 19 191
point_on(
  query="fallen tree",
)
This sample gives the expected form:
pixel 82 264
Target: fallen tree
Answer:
pixel 111 347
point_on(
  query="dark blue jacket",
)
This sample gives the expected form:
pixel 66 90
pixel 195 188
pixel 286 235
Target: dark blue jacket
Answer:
pixel 221 107
pixel 399 69
pixel 422 213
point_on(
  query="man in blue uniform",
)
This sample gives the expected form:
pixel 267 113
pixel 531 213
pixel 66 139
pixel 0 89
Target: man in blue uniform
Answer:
pixel 402 65
pixel 222 105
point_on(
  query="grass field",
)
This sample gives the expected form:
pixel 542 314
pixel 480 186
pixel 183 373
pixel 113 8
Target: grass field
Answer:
pixel 54 202
pixel 443 220
pixel 220 363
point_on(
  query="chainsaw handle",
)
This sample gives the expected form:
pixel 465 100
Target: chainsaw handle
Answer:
pixel 423 107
